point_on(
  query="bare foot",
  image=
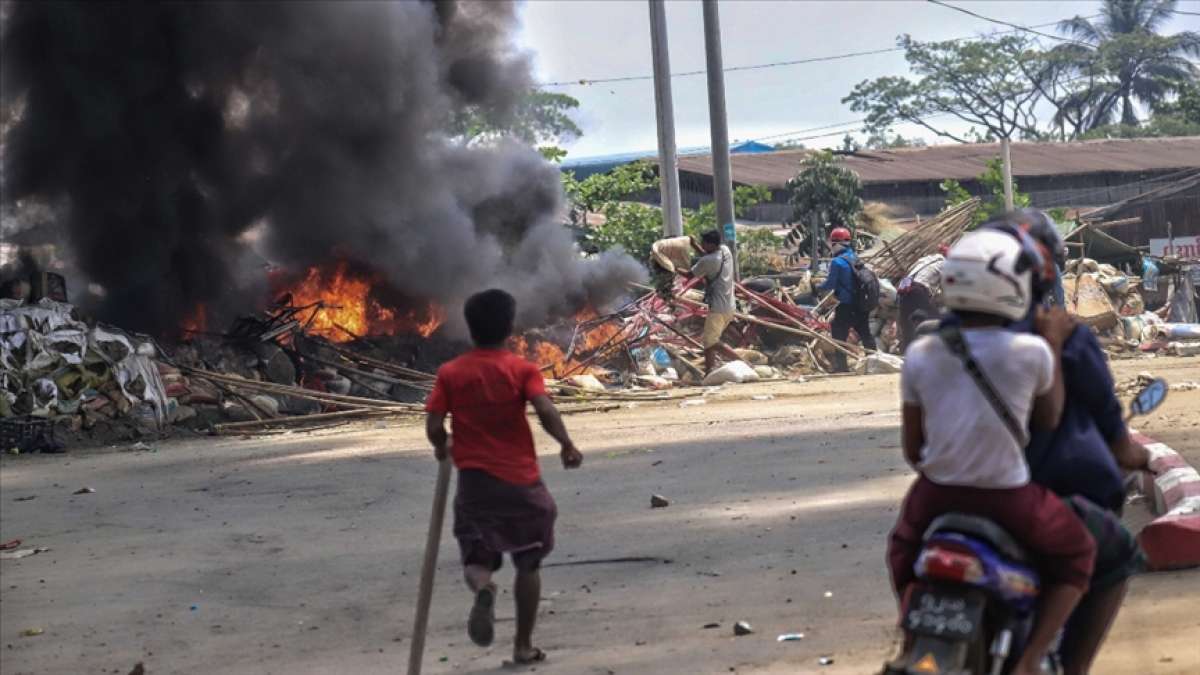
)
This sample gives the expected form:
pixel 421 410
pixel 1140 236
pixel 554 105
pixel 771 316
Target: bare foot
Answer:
pixel 527 656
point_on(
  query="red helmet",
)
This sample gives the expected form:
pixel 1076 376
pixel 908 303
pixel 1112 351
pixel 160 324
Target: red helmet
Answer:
pixel 839 234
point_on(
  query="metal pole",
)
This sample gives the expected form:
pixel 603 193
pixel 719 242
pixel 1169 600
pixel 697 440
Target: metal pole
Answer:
pixel 719 129
pixel 1006 156
pixel 668 164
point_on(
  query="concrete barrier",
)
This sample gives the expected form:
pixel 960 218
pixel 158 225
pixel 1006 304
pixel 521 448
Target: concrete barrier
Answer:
pixel 1172 540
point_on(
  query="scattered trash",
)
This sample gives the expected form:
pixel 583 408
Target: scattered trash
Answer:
pixel 659 502
pixel 763 397
pixel 84 491
pixel 21 553
pixel 825 661
pixel 709 574
pixel 878 364
pixel 829 594
pixel 693 401
pixel 138 669
pixel 140 447
pixel 742 628
pixel 790 637
pixel 707 626
pixel 9 545
pixel 32 632
pixel 195 607
pixel 734 371
pixel 27 498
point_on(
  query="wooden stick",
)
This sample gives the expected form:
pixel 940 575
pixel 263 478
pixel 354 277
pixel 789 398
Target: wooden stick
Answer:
pixel 433 539
pixel 300 420
pixel 298 392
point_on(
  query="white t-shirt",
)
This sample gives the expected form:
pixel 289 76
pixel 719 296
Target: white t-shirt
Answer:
pixel 966 442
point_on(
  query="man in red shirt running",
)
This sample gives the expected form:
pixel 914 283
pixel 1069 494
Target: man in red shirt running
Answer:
pixel 501 505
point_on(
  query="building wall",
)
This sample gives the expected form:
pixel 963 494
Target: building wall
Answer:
pixel 1175 215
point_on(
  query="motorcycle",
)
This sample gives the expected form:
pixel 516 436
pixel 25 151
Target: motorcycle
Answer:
pixel 972 606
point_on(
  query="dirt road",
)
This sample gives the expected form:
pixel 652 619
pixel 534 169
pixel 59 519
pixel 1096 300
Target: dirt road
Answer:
pixel 300 553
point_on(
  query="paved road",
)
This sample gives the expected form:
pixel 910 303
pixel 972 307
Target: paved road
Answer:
pixel 300 553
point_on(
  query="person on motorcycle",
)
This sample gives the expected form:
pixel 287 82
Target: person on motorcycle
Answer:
pixel 1082 459
pixel 968 447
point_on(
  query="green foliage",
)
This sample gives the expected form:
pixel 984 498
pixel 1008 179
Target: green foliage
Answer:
pixel 758 252
pixel 705 218
pixel 539 117
pixel 992 182
pixel 981 82
pixel 552 153
pixel 823 189
pixel 1123 59
pixel 634 226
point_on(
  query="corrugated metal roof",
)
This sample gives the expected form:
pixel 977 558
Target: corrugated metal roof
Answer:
pixel 964 162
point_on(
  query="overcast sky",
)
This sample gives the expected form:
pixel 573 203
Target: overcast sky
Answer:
pixel 592 39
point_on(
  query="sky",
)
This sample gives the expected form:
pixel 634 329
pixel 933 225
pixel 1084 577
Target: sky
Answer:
pixel 593 39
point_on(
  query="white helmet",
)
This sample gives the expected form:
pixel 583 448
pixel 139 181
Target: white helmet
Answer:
pixel 985 272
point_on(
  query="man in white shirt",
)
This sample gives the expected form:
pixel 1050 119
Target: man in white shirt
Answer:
pixel 918 294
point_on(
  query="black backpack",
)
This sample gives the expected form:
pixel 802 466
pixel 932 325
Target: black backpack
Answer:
pixel 866 286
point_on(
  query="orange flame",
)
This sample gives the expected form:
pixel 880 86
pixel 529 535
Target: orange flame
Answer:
pixel 551 358
pixel 346 309
pixel 195 321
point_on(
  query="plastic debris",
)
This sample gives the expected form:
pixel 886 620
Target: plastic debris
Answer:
pixel 708 626
pixel 693 401
pixel 825 661
pixel 659 502
pixel 734 371
pixel 829 594
pixel 84 491
pixel 32 632
pixel 742 628
pixel 790 637
pixel 21 553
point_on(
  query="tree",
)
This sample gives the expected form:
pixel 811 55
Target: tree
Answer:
pixel 540 118
pixel 823 192
pixel 992 182
pixel 1136 62
pixel 634 226
pixel 983 83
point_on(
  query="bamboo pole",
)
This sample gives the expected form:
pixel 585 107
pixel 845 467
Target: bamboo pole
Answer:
pixel 433 539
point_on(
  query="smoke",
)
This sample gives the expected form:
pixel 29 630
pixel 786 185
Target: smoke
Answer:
pixel 169 131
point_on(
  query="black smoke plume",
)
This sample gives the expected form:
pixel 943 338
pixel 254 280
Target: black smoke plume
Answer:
pixel 179 137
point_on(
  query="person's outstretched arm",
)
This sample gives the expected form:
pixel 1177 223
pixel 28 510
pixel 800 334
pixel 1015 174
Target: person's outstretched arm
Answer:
pixel 552 422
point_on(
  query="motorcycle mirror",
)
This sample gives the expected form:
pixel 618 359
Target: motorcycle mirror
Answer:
pixel 1150 397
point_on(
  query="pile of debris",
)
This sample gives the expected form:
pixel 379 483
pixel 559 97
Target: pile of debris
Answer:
pixel 1110 302
pixel 56 368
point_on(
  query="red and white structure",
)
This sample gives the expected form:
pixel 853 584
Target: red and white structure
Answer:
pixel 1172 540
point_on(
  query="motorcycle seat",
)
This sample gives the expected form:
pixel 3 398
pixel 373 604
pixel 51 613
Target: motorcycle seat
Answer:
pixel 982 528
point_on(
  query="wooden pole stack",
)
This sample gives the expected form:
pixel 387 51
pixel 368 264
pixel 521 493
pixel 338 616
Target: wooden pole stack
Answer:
pixel 899 255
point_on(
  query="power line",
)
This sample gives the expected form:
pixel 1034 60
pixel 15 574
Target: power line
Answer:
pixel 774 64
pixel 1026 29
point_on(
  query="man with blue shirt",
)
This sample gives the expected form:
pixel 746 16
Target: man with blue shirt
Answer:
pixel 1082 459
pixel 844 284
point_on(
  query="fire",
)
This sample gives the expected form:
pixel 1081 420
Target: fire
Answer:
pixel 344 308
pixel 553 359
pixel 195 321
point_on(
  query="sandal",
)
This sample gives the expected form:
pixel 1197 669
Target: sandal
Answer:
pixel 482 620
pixel 535 656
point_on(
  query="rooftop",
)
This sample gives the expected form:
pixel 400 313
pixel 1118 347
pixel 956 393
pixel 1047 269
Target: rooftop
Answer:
pixel 964 162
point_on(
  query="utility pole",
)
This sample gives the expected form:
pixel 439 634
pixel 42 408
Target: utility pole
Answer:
pixel 1006 156
pixel 719 128
pixel 668 164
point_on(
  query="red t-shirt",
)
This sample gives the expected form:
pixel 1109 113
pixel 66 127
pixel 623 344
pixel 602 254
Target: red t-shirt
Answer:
pixel 485 392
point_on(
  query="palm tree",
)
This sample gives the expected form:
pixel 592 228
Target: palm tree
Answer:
pixel 1135 61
